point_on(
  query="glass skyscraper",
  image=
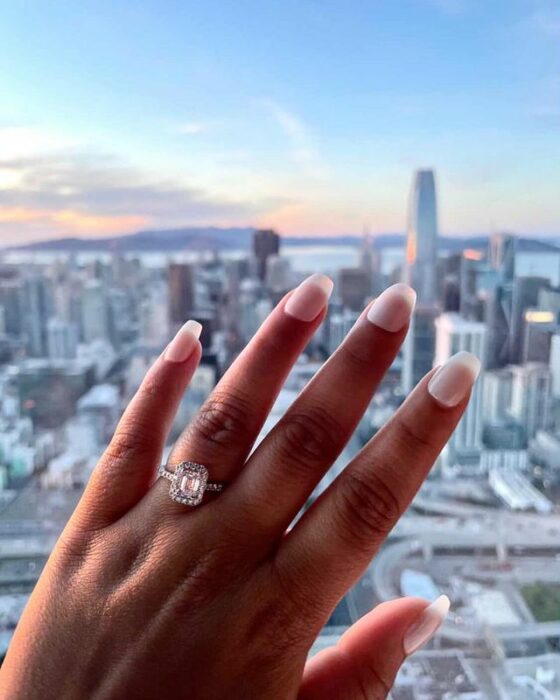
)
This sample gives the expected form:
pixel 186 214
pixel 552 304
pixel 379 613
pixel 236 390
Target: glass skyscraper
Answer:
pixel 420 273
pixel 422 232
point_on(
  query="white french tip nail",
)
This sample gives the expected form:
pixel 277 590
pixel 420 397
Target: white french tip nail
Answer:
pixel 182 345
pixel 453 380
pixel 392 309
pixel 427 625
pixel 193 327
pixel 309 299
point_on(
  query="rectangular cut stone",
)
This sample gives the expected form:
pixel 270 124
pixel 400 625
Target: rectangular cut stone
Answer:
pixel 189 483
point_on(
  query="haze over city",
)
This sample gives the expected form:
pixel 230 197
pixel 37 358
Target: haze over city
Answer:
pixel 303 116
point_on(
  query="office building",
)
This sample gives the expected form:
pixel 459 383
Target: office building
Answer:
pixel 554 365
pixel 62 339
pixel 501 254
pixel 265 243
pixel 369 263
pixel 539 327
pixel 278 274
pixel 37 306
pixel 419 345
pixel 453 334
pixel 496 395
pixel 95 312
pixel 354 287
pixel 181 294
pixel 531 397
pixel 525 295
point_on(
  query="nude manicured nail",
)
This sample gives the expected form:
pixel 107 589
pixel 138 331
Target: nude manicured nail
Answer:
pixel 427 625
pixel 309 298
pixel 392 309
pixel 183 343
pixel 453 380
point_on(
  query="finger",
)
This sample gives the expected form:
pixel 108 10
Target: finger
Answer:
pixel 364 663
pixel 335 539
pixel 224 430
pixel 289 463
pixel 126 469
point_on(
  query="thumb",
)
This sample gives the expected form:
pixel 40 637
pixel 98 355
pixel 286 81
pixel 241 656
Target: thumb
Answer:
pixel 364 663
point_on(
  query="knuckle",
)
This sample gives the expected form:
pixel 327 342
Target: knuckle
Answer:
pixel 412 437
pixel 311 438
pixel 356 353
pixel 366 508
pixel 372 683
pixel 275 620
pixel 221 419
pixel 130 439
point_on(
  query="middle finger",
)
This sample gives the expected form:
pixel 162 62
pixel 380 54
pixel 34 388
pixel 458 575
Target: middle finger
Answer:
pixel 287 466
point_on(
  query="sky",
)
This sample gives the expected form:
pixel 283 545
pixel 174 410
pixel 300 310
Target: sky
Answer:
pixel 308 116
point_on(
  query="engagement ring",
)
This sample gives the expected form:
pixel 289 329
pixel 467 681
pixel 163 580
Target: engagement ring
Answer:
pixel 189 481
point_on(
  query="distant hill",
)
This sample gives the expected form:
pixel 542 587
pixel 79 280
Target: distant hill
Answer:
pixel 217 238
pixel 164 240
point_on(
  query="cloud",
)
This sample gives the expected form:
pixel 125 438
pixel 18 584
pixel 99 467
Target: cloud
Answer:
pixel 21 141
pixel 68 194
pixel 303 151
pixel 191 128
pixel 547 22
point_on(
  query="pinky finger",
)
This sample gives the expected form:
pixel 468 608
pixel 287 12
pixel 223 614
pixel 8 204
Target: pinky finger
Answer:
pixel 126 469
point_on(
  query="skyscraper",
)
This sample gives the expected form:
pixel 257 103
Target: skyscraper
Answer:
pixel 454 334
pixel 498 298
pixel 369 263
pixel 265 243
pixel 95 312
pixel 181 294
pixel 531 396
pixel 62 339
pixel 421 238
pixel 525 295
pixel 420 273
pixel 419 345
pixel 353 287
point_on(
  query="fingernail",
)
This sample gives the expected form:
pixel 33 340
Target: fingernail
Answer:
pixel 427 625
pixel 309 298
pixel 453 380
pixel 392 309
pixel 183 343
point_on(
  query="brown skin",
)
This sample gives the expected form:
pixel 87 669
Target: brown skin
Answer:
pixel 146 598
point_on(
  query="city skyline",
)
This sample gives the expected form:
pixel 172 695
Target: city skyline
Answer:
pixel 305 118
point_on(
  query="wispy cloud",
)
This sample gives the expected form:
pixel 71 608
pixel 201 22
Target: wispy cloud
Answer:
pixel 64 193
pixel 302 148
pixel 191 128
pixel 547 21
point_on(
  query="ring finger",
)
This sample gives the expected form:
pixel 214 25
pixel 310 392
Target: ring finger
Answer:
pixel 224 430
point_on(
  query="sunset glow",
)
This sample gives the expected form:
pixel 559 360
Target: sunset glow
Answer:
pixel 138 119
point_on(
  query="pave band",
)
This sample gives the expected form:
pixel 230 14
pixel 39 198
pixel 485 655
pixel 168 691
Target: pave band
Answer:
pixel 189 482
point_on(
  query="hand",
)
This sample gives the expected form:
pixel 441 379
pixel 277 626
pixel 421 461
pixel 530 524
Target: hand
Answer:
pixel 146 598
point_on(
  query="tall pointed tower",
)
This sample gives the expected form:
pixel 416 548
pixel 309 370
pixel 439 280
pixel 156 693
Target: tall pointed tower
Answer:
pixel 420 272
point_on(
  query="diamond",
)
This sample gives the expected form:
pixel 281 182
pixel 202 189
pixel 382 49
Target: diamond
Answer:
pixel 189 483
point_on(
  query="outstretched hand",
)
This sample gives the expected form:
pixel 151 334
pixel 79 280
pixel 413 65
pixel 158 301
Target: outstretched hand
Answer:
pixel 144 597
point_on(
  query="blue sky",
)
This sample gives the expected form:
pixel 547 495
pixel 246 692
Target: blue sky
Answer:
pixel 306 115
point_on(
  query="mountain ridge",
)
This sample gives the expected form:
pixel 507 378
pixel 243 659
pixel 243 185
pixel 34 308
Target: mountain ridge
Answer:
pixel 223 238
